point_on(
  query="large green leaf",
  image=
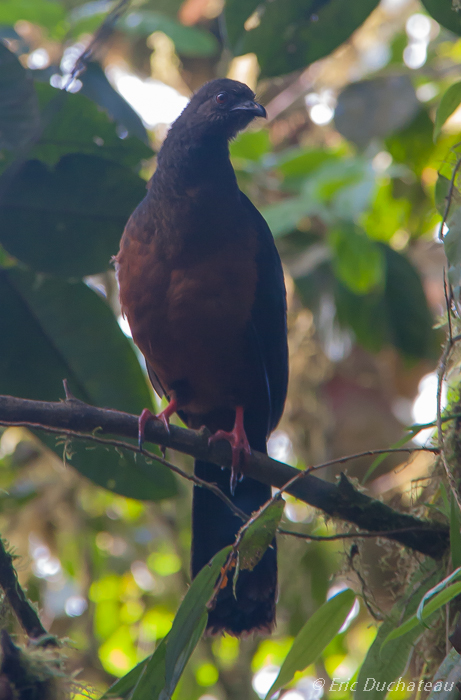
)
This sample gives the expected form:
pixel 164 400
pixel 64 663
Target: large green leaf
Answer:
pixel 19 113
pixel 358 261
pixel 188 41
pixel 290 34
pixel 443 11
pixel 398 315
pixel 451 99
pixel 409 318
pixel 54 330
pixel 69 220
pixel 97 88
pixel 76 125
pixel 316 634
pixel 371 109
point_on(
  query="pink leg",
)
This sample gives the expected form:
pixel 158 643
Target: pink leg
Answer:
pixel 239 445
pixel 164 416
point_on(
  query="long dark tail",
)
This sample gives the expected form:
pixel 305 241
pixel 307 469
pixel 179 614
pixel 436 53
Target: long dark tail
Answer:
pixel 213 527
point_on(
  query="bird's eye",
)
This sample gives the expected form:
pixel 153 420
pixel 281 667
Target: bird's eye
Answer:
pixel 222 98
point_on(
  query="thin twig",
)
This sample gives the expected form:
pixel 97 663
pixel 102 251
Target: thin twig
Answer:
pixel 121 444
pixel 449 198
pixel 347 535
pixel 441 370
pixel 368 453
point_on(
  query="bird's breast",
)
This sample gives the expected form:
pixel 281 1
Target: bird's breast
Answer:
pixel 189 313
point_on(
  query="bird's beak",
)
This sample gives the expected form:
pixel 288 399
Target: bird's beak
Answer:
pixel 250 106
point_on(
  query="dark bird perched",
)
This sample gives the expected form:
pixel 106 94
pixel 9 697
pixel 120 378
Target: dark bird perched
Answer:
pixel 202 287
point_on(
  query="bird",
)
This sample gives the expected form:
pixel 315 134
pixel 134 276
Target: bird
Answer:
pixel 202 287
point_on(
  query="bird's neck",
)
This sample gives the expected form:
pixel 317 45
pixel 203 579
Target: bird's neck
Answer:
pixel 191 159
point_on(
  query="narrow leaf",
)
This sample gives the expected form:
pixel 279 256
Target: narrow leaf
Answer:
pixel 438 602
pixel 188 624
pixel 124 686
pixel 151 681
pixel 452 577
pixel 314 636
pixel 165 667
pixel 448 104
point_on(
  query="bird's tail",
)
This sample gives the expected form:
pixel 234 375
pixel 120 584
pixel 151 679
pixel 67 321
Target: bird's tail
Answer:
pixel 214 526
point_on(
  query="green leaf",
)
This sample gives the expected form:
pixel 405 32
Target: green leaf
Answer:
pixel 287 35
pixel 448 104
pixel 409 318
pixel 78 125
pixel 259 534
pixel 188 41
pixel 123 687
pixel 413 145
pixel 398 315
pixel 370 109
pixel 384 665
pixel 380 458
pixel 436 603
pixel 452 239
pixel 52 330
pixel 188 627
pixel 282 217
pixel 251 145
pixel 314 636
pixel 46 13
pixel 444 13
pixel 297 163
pixel 97 88
pixel 19 113
pixel 77 213
pixel 442 188
pixel 455 533
pixel 358 261
pixel 387 214
pixel 431 593
pixel 151 681
pixel 447 677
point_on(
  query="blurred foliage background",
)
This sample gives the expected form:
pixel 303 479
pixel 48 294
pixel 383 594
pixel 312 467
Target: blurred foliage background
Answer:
pixel 345 172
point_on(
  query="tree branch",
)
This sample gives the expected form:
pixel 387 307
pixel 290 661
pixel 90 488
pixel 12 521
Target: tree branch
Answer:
pixel 340 500
pixel 28 618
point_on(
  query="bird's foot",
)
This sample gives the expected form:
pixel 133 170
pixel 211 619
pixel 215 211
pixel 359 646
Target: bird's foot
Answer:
pixel 239 445
pixel 163 416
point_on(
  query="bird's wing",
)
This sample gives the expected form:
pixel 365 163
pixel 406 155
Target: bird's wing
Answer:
pixel 268 317
pixel 155 381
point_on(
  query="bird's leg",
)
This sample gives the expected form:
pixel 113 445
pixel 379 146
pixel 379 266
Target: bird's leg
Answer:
pixel 239 445
pixel 163 416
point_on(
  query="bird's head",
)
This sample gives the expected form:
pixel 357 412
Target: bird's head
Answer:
pixel 222 106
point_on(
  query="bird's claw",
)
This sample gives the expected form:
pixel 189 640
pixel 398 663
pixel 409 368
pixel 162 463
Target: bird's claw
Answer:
pixel 163 416
pixel 239 444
